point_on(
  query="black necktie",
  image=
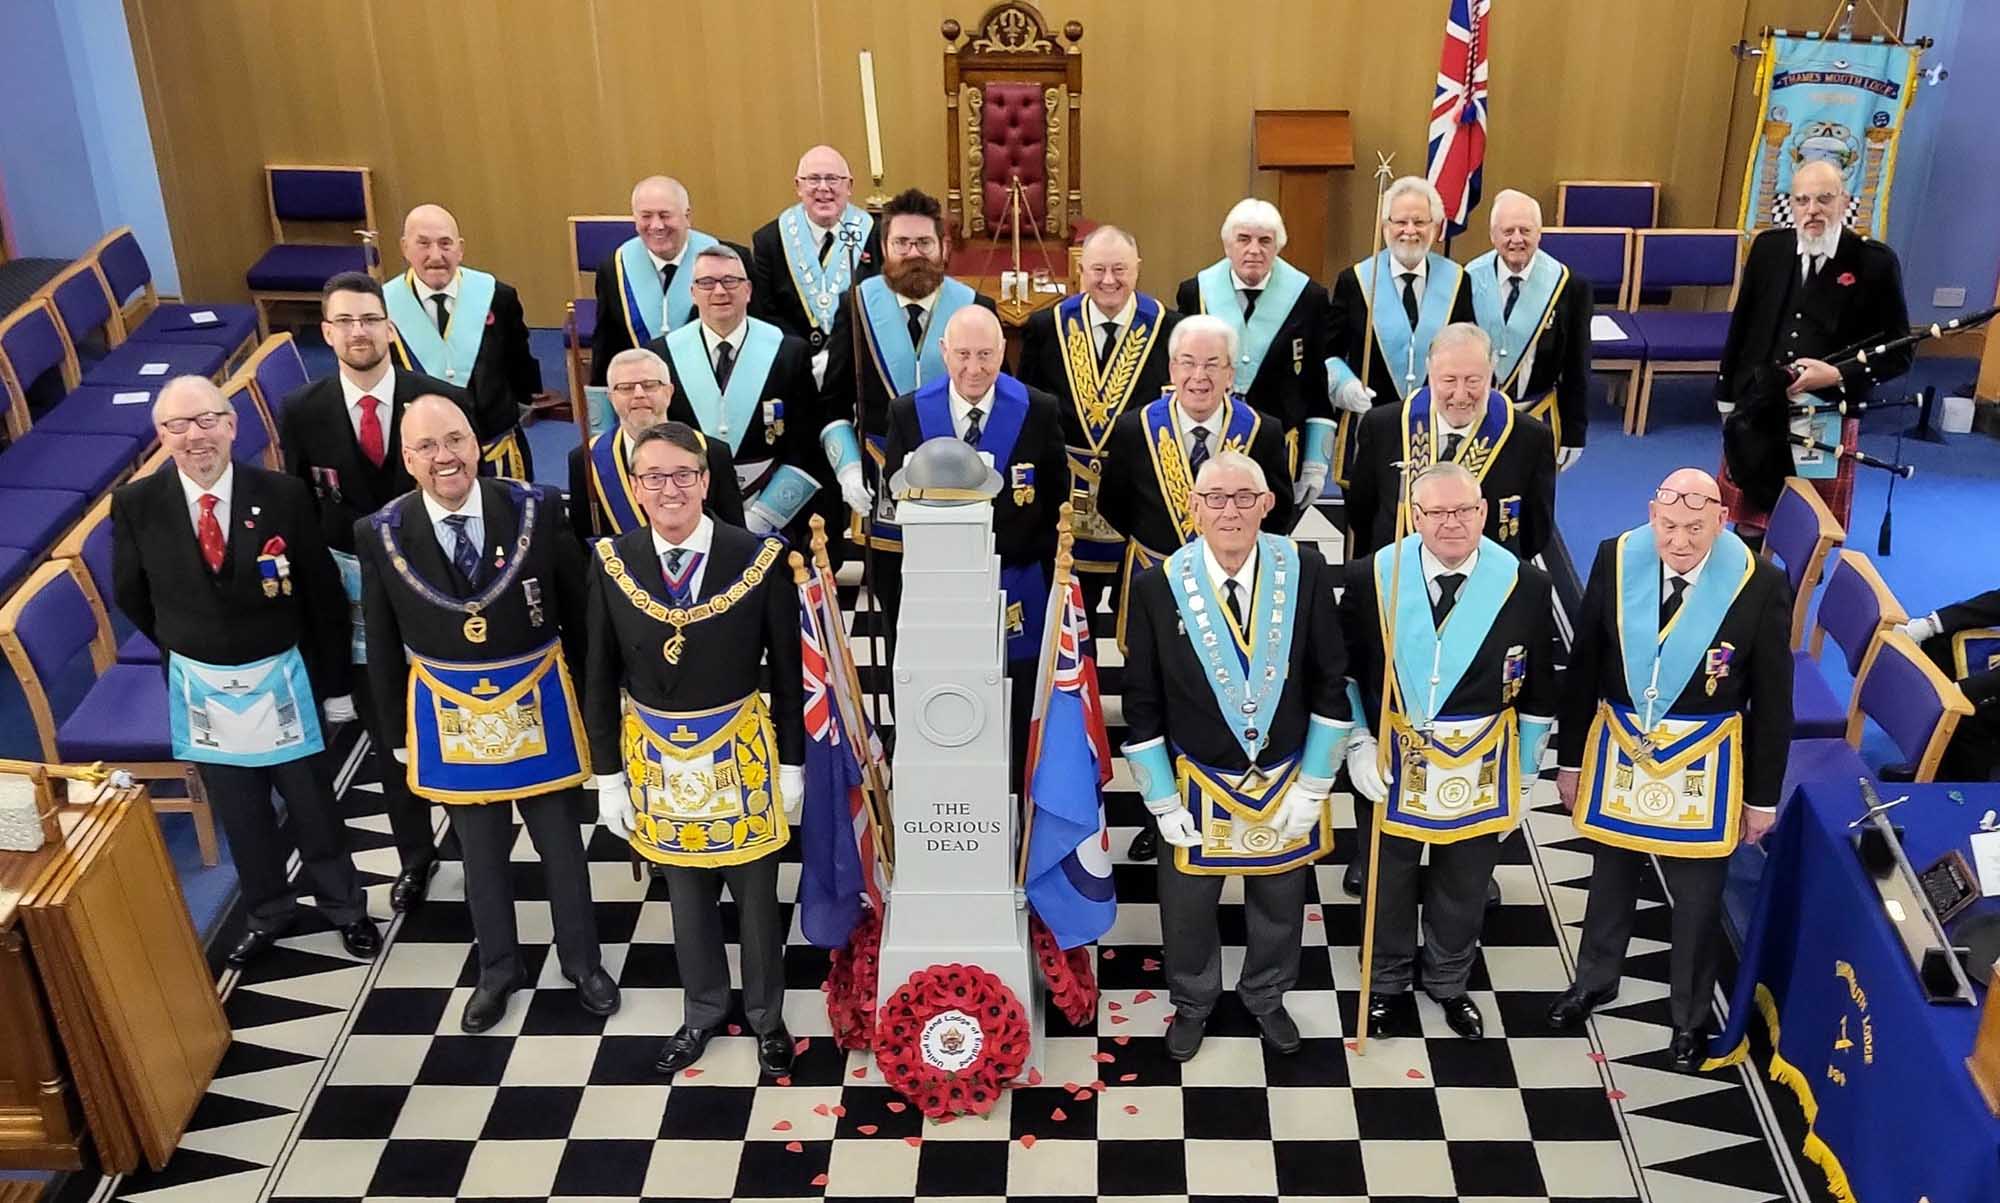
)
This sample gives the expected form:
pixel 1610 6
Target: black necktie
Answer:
pixel 1198 454
pixel 825 246
pixel 1513 295
pixel 972 431
pixel 1451 445
pixel 1110 332
pixel 1812 266
pixel 1250 296
pixel 1676 587
pixel 438 299
pixel 725 363
pixel 667 277
pixel 1234 601
pixel 1410 297
pixel 1447 583
pixel 464 554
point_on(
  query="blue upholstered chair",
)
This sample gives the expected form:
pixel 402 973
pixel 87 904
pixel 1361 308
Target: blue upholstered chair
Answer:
pixel 32 347
pixel 336 206
pixel 592 239
pixel 87 707
pixel 1680 340
pixel 1631 204
pixel 1603 256
pixel 83 463
pixel 84 311
pixel 89 544
pixel 276 371
pixel 1856 607
pixel 105 409
pixel 1909 697
pixel 129 278
pixel 1801 535
pixel 256 441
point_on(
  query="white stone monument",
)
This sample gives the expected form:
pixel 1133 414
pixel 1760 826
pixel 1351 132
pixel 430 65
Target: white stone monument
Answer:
pixel 957 825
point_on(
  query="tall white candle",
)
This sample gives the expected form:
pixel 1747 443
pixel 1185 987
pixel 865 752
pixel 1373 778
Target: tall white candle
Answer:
pixel 868 111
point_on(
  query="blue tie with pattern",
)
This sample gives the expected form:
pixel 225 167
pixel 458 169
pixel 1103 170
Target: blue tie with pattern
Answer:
pixel 464 554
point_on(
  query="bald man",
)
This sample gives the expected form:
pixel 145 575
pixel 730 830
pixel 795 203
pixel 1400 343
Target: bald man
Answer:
pixel 467 329
pixel 1675 720
pixel 1808 292
pixel 1537 312
pixel 805 259
pixel 1100 353
pixel 1018 430
pixel 645 287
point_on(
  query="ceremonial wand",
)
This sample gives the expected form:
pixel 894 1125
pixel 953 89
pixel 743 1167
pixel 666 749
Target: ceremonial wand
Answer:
pixel 1383 751
pixel 1347 419
pixel 850 238
pixel 1884 536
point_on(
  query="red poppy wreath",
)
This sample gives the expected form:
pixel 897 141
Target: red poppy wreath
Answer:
pixel 1070 976
pixel 950 1039
pixel 850 984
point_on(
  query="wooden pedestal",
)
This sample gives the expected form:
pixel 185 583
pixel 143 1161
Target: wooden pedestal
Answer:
pixel 1302 145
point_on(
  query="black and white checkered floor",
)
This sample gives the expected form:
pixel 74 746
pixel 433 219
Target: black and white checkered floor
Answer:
pixel 351 1081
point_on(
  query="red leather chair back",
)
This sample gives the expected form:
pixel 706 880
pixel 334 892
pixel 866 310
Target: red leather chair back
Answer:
pixel 1014 132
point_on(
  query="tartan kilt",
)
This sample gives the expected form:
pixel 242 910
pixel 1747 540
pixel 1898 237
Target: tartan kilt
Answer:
pixel 1838 493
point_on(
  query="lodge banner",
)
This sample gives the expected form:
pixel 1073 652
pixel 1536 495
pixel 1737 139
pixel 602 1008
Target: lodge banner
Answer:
pixel 1830 99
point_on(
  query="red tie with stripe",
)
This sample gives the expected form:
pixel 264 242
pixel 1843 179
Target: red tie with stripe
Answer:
pixel 208 532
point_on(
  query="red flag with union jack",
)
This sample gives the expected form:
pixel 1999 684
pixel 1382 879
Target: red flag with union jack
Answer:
pixel 1458 112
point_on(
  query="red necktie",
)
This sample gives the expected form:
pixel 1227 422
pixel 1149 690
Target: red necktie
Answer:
pixel 371 431
pixel 208 532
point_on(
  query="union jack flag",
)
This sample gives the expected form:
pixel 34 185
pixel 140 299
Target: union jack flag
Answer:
pixel 1458 112
pixel 1069 761
pixel 840 861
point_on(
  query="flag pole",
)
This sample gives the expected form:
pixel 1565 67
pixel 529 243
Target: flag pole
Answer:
pixel 873 787
pixel 1058 587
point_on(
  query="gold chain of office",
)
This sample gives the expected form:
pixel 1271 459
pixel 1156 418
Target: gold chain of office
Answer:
pixel 682 617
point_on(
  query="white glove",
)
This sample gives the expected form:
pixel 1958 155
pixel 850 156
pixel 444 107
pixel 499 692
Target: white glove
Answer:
pixel 339 710
pixel 760 520
pixel 1354 397
pixel 1177 828
pixel 854 490
pixel 1725 408
pixel 1363 770
pixel 1299 812
pixel 614 804
pixel 1566 458
pixel 1920 629
pixel 402 755
pixel 1311 483
pixel 792 790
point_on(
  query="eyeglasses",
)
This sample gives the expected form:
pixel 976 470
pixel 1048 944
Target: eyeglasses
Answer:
pixel 728 283
pixel 206 419
pixel 456 442
pixel 1206 367
pixel 1466 514
pixel 683 478
pixel 370 322
pixel 903 246
pixel 1242 499
pixel 824 181
pixel 1823 199
pixel 632 388
pixel 1694 501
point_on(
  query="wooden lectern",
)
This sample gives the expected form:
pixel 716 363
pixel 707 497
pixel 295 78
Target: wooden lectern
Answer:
pixel 1302 145
pixel 1984 1063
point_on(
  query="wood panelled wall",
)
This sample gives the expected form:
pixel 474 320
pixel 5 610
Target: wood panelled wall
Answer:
pixel 517 113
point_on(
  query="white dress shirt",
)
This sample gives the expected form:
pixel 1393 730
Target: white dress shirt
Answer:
pixel 425 292
pixel 1184 424
pixel 660 265
pixel 1236 282
pixel 1442 430
pixel 1245 578
pixel 734 338
pixel 698 542
pixel 474 510
pixel 383 390
pixel 1120 321
pixel 961 411
pixel 1824 246
pixel 222 488
pixel 1690 576
pixel 1397 271
pixel 1434 568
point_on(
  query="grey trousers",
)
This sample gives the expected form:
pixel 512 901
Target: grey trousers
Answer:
pixel 1453 912
pixel 486 841
pixel 694 895
pixel 1275 907
pixel 1696 886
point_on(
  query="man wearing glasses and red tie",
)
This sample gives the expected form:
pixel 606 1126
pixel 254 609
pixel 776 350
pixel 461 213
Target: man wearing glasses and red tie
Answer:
pixel 1675 723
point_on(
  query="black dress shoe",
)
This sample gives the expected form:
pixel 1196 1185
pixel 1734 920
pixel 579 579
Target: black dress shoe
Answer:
pixel 597 993
pixel 1685 1051
pixel 412 886
pixel 1462 1014
pixel 774 1052
pixel 1575 1004
pixel 488 1005
pixel 362 938
pixel 1279 1032
pixel 1354 880
pixel 254 944
pixel 1145 845
pixel 1492 893
pixel 1184 1035
pixel 1393 1014
pixel 683 1049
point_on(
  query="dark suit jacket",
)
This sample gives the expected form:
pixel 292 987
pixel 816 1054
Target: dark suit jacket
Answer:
pixel 612 335
pixel 1021 533
pixel 588 519
pixel 1525 468
pixel 789 380
pixel 836 393
pixel 1759 684
pixel 1347 325
pixel 161 583
pixel 321 450
pixel 1166 682
pixel 1291 383
pixel 1524 621
pixel 1856 297
pixel 1562 361
pixel 720 661
pixel 1042 367
pixel 399 617
pixel 775 297
pixel 505 375
pixel 1130 499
